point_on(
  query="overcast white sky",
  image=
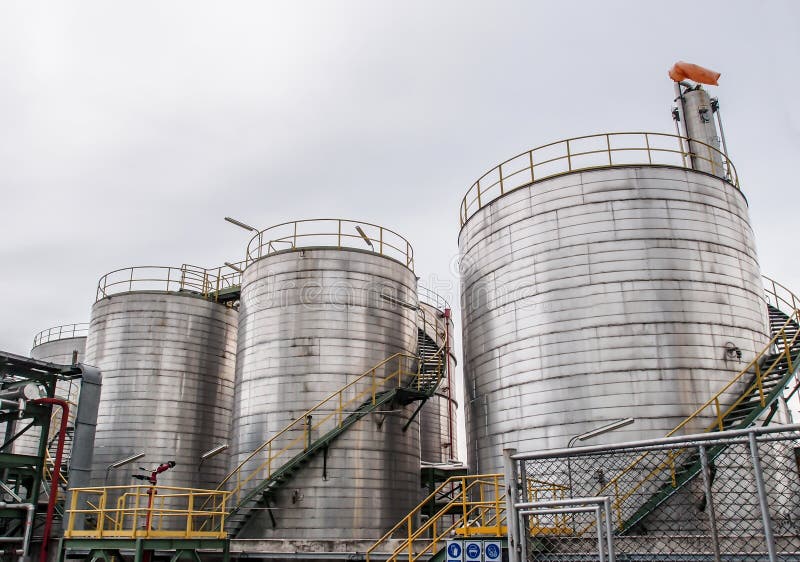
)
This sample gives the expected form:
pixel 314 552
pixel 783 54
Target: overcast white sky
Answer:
pixel 129 130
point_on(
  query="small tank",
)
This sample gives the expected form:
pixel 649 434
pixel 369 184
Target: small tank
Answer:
pixel 167 351
pixel 438 424
pixel 63 345
pixel 323 302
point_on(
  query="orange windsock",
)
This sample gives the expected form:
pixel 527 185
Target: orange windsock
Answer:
pixel 683 70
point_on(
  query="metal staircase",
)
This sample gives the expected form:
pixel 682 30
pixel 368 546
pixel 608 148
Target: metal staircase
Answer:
pixel 476 508
pixel 400 379
pixel 762 383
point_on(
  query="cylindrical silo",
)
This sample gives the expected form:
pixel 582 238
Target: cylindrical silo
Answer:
pixel 602 278
pixel 437 418
pixel 322 302
pixel 62 345
pixel 167 353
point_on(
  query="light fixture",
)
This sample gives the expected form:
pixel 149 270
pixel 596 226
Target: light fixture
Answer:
pixel 365 237
pixel 600 430
pixel 240 224
pixel 123 462
pixel 213 452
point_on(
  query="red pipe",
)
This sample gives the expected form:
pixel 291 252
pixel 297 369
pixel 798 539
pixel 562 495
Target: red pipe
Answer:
pixel 51 504
pixel 449 381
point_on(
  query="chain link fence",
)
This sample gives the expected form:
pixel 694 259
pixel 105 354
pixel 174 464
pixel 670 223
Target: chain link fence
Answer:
pixel 723 496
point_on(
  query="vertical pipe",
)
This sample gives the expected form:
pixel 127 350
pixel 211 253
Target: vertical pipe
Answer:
pixel 598 521
pixel 510 474
pixel 609 530
pixel 762 497
pixel 450 416
pixel 51 503
pixel 712 517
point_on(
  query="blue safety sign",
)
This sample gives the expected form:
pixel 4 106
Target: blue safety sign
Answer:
pixel 473 551
pixel 455 551
pixel 492 551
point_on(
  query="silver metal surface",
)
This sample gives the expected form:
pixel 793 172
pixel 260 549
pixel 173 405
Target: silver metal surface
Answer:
pixel 82 448
pixel 311 320
pixel 167 360
pixel 604 294
pixel 698 123
pixel 435 440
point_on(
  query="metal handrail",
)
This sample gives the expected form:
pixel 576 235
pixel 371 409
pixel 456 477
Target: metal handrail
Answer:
pixel 603 150
pixel 330 233
pixel 140 512
pixel 431 298
pixel 403 368
pixel 205 282
pixel 480 498
pixel 63 332
pixel 186 278
pixel 720 413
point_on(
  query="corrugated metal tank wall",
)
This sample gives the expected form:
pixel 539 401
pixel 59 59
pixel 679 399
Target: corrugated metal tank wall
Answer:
pixel 167 360
pixel 603 294
pixel 311 321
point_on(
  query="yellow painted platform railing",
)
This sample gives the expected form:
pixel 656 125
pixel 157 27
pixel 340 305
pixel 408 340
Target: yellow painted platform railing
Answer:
pixel 476 508
pixel 593 151
pixel 718 407
pixel 146 512
pixel 331 233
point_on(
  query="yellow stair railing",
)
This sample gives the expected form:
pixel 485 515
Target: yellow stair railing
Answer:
pixel 477 508
pixel 714 407
pixel 401 370
pixel 397 370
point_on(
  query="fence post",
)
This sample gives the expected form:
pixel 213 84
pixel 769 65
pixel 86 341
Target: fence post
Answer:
pixel 712 516
pixel 609 529
pixel 762 497
pixel 510 474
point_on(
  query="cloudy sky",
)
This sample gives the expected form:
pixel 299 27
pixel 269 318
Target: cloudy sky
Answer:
pixel 129 130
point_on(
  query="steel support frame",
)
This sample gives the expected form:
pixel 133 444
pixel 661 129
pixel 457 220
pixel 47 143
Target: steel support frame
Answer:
pixel 103 549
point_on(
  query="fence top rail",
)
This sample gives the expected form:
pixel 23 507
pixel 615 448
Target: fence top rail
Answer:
pixel 63 332
pixel 632 148
pixel 330 233
pixel 661 443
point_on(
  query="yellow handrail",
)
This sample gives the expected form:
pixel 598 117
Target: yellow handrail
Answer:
pixel 147 512
pixel 333 233
pixel 403 370
pixel 587 152
pixel 478 499
pixel 206 282
pixel 754 368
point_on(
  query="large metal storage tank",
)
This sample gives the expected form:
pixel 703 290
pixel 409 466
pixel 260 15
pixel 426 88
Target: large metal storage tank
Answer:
pixel 61 345
pixel 322 302
pixel 602 278
pixel 437 418
pixel 167 353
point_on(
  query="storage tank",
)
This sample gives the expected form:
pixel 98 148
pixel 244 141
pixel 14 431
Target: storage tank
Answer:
pixel 63 345
pixel 322 302
pixel 438 428
pixel 167 352
pixel 603 277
